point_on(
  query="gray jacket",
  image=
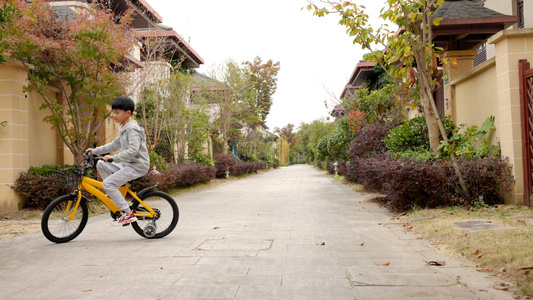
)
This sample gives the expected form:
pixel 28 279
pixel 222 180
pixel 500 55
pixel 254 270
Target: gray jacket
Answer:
pixel 132 142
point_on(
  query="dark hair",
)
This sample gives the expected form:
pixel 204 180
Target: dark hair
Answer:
pixel 123 103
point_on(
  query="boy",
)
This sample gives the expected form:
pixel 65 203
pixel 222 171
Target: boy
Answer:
pixel 131 163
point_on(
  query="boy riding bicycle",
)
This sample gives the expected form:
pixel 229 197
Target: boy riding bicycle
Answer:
pixel 131 163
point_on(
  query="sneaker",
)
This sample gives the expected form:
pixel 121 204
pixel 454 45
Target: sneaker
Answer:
pixel 127 218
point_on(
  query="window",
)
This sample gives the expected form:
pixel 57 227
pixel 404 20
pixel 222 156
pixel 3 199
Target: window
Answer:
pixel 521 13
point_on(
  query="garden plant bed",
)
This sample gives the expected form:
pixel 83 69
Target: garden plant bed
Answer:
pixel 493 239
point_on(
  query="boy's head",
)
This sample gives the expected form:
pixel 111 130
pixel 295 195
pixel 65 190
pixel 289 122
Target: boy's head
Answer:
pixel 121 110
pixel 123 103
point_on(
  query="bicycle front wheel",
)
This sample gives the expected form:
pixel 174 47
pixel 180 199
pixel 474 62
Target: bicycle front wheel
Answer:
pixel 164 222
pixel 60 223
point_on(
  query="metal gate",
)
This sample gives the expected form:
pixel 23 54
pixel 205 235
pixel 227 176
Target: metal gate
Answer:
pixel 526 108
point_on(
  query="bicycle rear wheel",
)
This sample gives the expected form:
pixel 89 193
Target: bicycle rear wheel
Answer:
pixel 55 223
pixel 165 221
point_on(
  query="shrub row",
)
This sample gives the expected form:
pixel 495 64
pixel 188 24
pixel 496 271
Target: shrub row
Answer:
pixel 38 187
pixel 408 184
pixel 227 162
pixel 247 167
pixel 175 177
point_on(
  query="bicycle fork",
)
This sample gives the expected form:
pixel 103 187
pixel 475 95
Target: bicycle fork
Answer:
pixel 74 210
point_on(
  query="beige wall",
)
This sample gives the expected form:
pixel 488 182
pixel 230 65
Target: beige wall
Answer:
pixel 26 140
pixel 466 99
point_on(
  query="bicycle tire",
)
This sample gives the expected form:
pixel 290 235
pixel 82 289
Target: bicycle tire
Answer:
pixel 53 224
pixel 167 220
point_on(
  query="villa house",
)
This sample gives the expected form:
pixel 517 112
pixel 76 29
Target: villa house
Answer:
pixel 25 140
pixel 492 41
pixel 356 82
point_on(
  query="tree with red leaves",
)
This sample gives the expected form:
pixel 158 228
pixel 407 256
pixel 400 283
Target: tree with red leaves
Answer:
pixel 79 54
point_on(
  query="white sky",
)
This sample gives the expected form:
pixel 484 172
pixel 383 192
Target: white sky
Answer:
pixel 316 56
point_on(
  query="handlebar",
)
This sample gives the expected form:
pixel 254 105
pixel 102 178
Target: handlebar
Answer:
pixel 90 160
pixel 97 158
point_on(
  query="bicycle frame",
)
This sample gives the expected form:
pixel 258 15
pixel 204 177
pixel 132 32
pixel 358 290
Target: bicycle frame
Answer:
pixel 93 187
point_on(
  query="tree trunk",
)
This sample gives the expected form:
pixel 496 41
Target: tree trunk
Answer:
pixel 433 126
pixel 433 119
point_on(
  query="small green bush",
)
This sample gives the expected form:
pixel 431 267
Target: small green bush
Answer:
pixel 158 162
pixel 412 135
pixel 471 143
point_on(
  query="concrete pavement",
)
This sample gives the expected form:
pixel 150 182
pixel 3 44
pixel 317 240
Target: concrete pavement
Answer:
pixel 255 238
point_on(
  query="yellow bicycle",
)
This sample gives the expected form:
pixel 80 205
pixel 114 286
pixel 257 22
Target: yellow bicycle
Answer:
pixel 65 218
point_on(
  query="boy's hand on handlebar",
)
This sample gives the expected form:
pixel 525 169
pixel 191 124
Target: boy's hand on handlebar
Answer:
pixel 108 158
pixel 89 150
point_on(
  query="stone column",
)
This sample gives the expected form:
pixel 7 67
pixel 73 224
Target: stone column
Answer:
pixel 511 46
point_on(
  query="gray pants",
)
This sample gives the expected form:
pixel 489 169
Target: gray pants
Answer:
pixel 115 175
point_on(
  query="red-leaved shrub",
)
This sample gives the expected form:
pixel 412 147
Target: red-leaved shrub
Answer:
pixel 175 177
pixel 408 184
pixel 223 163
pixel 246 167
pixel 369 141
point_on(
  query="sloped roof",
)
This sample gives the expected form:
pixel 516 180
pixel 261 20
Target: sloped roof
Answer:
pixel 359 75
pixel 464 10
pixel 466 25
pixel 200 80
pixel 177 43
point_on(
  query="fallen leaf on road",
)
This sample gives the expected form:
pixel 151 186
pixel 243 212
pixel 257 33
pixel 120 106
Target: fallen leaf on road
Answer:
pixel 320 243
pixel 486 269
pixel 480 256
pixel 516 296
pixel 436 263
pixel 384 264
pixel 476 252
pixel 87 290
pixel 526 268
pixel 360 244
pixel 502 286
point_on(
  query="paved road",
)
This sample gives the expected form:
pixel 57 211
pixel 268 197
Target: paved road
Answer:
pixel 255 238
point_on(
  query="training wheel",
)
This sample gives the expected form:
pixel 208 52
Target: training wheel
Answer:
pixel 149 230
